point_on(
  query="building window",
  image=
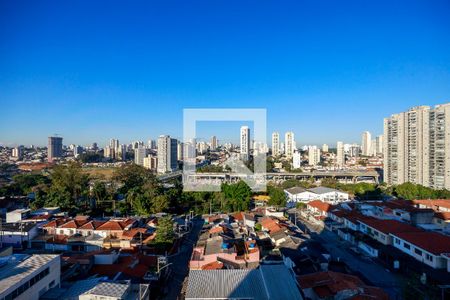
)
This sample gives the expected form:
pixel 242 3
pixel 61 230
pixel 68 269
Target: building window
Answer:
pixel 406 245
pixel 418 252
pixel 429 257
pixel 397 241
pixel 25 286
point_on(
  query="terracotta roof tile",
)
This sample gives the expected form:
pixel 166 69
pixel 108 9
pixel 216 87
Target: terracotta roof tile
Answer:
pixel 320 205
pixel 429 241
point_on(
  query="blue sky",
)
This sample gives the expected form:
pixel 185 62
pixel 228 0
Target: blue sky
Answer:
pixel 326 70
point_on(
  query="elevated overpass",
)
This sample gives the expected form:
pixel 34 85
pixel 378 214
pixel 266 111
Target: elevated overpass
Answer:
pixel 341 176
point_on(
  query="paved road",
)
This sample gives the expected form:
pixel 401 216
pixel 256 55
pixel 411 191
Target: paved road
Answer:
pixel 179 268
pixel 373 271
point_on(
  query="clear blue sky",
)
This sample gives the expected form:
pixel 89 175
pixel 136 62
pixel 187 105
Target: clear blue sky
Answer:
pixel 326 70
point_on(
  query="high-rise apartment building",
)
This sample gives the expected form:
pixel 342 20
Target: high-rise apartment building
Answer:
pixel 151 162
pixel 313 156
pixel 296 160
pixel 214 143
pixel 245 142
pixel 167 154
pixel 325 148
pixel 366 143
pixel 54 148
pixel 417 147
pixel 289 143
pixel 340 154
pixel 17 152
pixel 77 150
pixel 379 145
pixel 180 150
pixel 139 155
pixel 190 150
pixel 276 144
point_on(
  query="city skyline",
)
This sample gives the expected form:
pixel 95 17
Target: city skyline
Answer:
pixel 321 73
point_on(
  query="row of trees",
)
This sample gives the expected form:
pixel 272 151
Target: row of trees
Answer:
pixel 135 190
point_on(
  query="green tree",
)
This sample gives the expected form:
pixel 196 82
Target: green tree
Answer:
pixel 164 232
pixel 237 196
pixel 132 175
pixel 300 205
pixel 160 204
pixel 277 196
pixel 69 188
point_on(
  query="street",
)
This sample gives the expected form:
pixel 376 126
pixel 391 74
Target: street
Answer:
pixel 179 262
pixel 374 272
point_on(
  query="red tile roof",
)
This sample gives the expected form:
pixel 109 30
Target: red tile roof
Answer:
pixel 129 266
pixel 270 225
pixel 74 224
pixel 388 226
pixel 215 265
pixel 55 223
pixel 434 204
pixel 92 225
pixel 429 241
pixel 217 229
pixel 328 284
pixel 239 216
pixel 130 234
pixel 115 225
pixel 320 205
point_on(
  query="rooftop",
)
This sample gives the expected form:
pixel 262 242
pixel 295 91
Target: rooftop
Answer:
pixel 320 205
pixel 429 241
pixel 295 190
pixel 388 226
pixel 109 289
pixel 267 282
pixel 328 284
pixel 322 190
pixel 13 269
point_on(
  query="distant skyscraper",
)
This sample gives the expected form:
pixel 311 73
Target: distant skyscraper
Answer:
pixel 366 143
pixel 122 152
pixel 190 150
pixel 276 144
pixel 54 148
pixel 214 143
pixel 379 145
pixel 296 160
pixel 108 152
pixel 167 154
pixel 289 143
pixel 202 147
pixel 324 148
pixel 17 152
pixel 354 150
pixel 152 144
pixel 417 147
pixel 313 156
pixel 139 155
pixel 340 155
pixel 77 150
pixel 245 142
pixel 180 150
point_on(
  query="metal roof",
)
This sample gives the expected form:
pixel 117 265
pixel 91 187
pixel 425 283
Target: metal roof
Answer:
pixel 322 190
pixel 268 282
pixel 17 267
pixel 109 289
pixel 295 190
